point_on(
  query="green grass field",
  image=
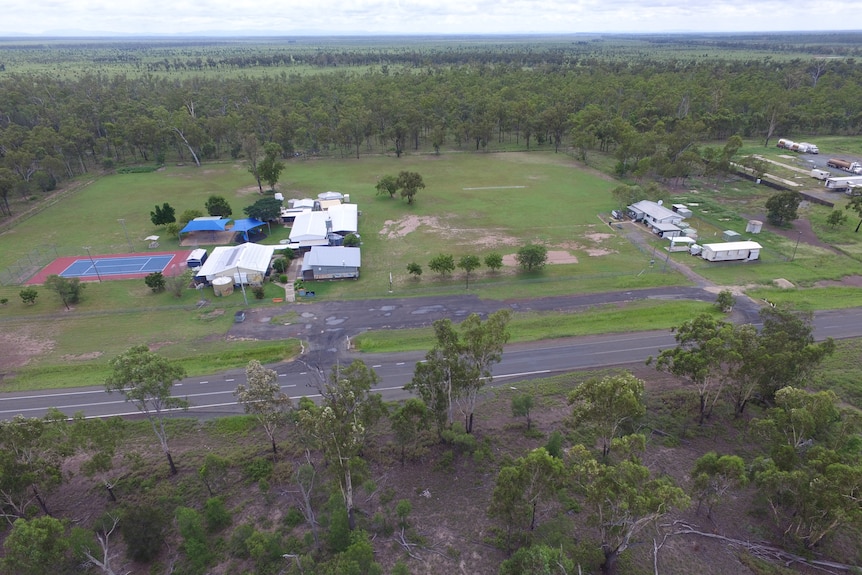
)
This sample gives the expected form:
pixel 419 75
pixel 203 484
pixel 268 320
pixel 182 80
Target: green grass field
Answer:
pixel 472 204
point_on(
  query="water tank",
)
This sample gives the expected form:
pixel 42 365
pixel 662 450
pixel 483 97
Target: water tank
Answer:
pixel 222 286
pixel 754 226
pixel 346 198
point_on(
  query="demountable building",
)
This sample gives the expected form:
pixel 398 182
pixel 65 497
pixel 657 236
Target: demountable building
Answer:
pixel 653 213
pixel 245 264
pixel 731 251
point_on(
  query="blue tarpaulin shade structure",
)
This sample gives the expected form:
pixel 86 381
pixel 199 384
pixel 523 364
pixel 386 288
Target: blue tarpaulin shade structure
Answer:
pixel 246 224
pixel 205 225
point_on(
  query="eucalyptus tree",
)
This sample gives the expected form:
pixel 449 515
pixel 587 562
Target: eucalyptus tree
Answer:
pixel 622 498
pixel 608 406
pixel 340 426
pixel 146 379
pixel 262 397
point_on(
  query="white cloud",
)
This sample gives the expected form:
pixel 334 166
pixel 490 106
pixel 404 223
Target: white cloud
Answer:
pixel 415 16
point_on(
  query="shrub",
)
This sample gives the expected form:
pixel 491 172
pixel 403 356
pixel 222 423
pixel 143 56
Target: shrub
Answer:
pixel 414 269
pixel 258 468
pixel 280 265
pixel 155 281
pixel 442 264
pixel 554 447
pixel 258 292
pixel 494 261
pixel 29 295
pixel 532 257
pixel 69 289
pixel 352 241
pixel 238 543
pixel 725 301
pixel 338 534
pixel 216 514
pixel 177 284
pixel 143 531
pixel 188 216
pixel 293 517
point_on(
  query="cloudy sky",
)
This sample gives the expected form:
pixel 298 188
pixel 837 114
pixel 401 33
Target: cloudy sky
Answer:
pixel 296 17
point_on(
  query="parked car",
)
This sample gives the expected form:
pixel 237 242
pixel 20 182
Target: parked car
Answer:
pixel 239 317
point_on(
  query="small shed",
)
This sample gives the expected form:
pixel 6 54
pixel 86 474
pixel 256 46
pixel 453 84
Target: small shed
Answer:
pixel 731 251
pixel 731 236
pixel 323 262
pixel 682 210
pixel 196 259
pixel 754 226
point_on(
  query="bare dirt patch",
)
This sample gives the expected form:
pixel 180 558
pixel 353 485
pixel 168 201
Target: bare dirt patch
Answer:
pixel 19 347
pixel 598 237
pixel 394 229
pixel 249 190
pixel 846 281
pixel 598 252
pixel 82 356
pixel 484 237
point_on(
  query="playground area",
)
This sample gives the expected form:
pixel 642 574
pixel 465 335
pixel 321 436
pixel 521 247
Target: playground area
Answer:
pixel 112 267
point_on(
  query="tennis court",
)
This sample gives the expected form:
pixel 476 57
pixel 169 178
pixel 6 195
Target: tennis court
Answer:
pixel 125 266
pixel 86 268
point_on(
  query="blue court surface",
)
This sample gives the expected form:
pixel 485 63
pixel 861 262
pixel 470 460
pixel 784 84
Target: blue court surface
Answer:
pixel 100 267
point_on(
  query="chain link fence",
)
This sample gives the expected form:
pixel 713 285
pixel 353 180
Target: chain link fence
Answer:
pixel 18 272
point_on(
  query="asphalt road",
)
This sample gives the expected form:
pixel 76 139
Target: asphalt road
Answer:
pixel 328 327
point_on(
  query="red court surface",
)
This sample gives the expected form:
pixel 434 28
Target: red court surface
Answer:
pixel 175 266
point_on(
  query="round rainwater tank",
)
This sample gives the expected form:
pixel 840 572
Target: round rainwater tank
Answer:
pixel 222 286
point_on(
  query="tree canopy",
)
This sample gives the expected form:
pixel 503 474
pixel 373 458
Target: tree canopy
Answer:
pixel 264 209
pixel 781 207
pixel 146 380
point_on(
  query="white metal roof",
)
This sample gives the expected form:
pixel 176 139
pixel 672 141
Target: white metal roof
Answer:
pixel 309 226
pixel 733 246
pixel 681 240
pixel 248 257
pixel 654 210
pixel 345 218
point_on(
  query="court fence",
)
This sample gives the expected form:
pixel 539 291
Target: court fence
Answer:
pixel 18 272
